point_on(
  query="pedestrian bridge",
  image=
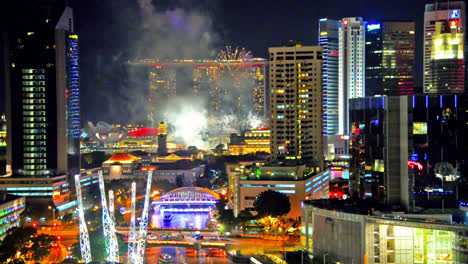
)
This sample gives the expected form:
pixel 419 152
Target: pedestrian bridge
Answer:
pixel 190 244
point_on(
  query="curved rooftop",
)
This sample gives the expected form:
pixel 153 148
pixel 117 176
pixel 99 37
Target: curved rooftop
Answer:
pixel 122 157
pixel 189 194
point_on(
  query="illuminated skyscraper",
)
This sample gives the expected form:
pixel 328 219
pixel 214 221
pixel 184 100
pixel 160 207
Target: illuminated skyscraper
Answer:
pixel 328 39
pixel 296 104
pixel 444 34
pixel 351 71
pixel 162 83
pixel 390 58
pixel 258 90
pixel 42 96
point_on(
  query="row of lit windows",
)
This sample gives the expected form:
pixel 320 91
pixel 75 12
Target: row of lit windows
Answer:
pixel 34 113
pixel 34 107
pixel 34 131
pixel 33 101
pixel 34 95
pixel 35 155
pixel 33 89
pixel 34 143
pixel 33 83
pixel 33 71
pixel 32 125
pixel 33 77
pixel 35 161
pixel 34 119
pixel 34 137
pixel 33 149
pixel 35 167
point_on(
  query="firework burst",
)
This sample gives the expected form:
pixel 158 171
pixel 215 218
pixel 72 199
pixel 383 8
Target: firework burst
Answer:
pixel 237 54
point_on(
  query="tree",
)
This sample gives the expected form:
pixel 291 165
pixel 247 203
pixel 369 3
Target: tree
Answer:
pixel 97 245
pixel 16 261
pixel 272 203
pixel 243 220
pixel 69 261
pixel 39 247
pixel 67 217
pixel 14 241
pixel 225 216
pixel 26 241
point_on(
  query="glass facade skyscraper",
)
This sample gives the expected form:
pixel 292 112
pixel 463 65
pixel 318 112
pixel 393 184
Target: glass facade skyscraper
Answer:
pixel 328 39
pixel 390 60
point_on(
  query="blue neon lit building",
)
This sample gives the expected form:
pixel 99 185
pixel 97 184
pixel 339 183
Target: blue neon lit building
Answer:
pixel 186 207
pixel 328 39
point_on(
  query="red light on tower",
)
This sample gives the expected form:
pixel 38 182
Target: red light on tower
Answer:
pixel 34 225
pixel 453 24
pixel 345 22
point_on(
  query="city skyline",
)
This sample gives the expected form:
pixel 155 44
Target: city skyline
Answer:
pixel 107 38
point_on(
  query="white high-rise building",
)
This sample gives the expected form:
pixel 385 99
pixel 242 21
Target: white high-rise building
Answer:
pixel 351 67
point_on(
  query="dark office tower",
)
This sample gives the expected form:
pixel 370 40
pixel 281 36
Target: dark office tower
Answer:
pixel 43 114
pixel 444 58
pixel 162 139
pixel 390 60
pixel 328 39
pixel 412 144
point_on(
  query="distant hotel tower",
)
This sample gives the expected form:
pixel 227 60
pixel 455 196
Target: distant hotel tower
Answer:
pixel 444 58
pixel 296 104
pixel 390 60
pixel 42 98
pixel 328 39
pixel 351 74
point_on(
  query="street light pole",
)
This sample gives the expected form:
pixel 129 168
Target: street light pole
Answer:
pixel 324 257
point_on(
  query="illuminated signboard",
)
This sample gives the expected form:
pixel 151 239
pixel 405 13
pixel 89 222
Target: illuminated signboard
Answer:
pixel 455 13
pixel 371 27
pixel 414 164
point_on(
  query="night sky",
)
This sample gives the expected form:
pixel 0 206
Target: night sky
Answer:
pixel 110 33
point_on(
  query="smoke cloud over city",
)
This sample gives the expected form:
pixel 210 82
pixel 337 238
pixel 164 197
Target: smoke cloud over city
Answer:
pixel 167 33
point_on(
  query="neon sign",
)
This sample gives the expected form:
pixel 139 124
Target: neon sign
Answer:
pixel 455 13
pixel 371 27
pixel 415 164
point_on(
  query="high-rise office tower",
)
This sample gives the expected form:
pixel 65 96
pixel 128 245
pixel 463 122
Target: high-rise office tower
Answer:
pixel 351 67
pixel 390 60
pixel 328 39
pixel 42 97
pixel 444 35
pixel 296 103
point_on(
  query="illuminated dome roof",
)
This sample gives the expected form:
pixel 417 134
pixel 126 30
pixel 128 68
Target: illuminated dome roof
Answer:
pixel 122 157
pixel 190 193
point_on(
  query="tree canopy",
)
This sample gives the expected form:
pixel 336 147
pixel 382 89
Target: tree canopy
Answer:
pixel 31 245
pixel 272 203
